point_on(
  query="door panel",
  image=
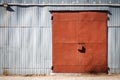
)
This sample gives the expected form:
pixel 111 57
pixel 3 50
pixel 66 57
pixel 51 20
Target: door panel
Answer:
pixel 92 32
pixel 65 54
pixel 65 32
pixel 92 27
pixel 79 42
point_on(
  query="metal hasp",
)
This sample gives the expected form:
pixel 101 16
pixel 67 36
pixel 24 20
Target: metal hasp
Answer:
pixel 79 42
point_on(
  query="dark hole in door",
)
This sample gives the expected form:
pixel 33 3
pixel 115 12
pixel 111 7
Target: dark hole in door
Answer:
pixel 83 50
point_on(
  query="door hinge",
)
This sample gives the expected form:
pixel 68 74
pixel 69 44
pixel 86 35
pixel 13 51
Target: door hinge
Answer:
pixel 52 67
pixel 51 17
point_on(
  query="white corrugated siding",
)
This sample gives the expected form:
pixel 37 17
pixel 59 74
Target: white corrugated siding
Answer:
pixel 26 35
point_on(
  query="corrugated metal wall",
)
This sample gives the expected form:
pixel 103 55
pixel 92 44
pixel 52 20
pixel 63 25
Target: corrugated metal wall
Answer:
pixel 114 40
pixel 26 40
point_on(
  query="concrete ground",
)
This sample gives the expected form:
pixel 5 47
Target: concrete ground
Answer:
pixel 65 77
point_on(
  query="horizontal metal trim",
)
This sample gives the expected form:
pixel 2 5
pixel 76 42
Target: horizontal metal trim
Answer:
pixel 25 27
pixel 22 68
pixel 24 4
pixel 113 26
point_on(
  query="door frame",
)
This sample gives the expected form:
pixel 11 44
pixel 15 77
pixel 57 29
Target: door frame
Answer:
pixel 105 11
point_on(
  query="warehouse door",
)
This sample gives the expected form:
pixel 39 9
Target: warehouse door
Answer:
pixel 79 42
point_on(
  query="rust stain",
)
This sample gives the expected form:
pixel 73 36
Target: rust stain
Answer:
pixel 5 72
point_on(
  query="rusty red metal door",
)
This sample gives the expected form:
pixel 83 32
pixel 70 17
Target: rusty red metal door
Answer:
pixel 79 42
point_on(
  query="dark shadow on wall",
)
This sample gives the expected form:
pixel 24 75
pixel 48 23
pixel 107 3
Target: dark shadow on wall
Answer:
pixel 10 9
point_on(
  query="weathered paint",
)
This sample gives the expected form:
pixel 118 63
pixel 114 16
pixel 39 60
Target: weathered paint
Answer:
pixel 19 25
pixel 79 42
pixel 92 32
